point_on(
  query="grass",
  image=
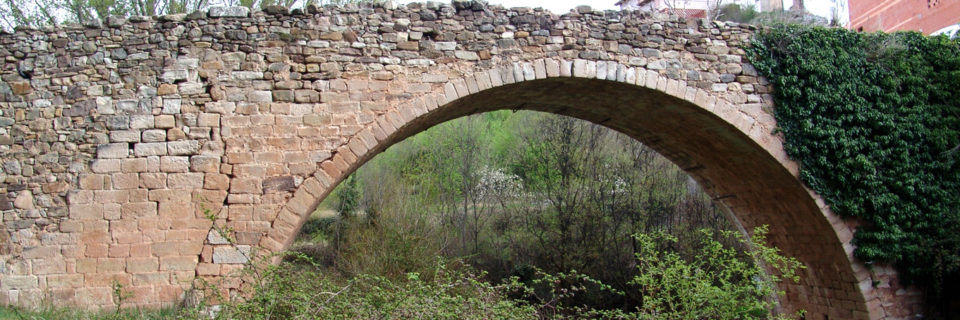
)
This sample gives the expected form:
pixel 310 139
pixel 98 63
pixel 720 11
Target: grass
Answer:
pixel 73 313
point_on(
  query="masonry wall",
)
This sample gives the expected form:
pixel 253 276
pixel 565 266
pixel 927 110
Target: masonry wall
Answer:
pixel 925 16
pixel 124 142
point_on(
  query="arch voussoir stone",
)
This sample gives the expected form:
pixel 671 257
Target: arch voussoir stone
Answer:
pixel 133 145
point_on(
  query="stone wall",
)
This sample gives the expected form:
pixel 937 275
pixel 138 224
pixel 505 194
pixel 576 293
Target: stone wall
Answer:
pixel 124 142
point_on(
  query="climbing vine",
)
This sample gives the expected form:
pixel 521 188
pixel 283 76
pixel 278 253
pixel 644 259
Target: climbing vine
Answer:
pixel 874 120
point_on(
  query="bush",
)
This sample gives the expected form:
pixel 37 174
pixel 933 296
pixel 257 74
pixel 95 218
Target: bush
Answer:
pixel 305 291
pixel 738 13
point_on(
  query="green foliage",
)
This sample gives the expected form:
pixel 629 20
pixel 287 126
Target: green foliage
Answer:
pixel 348 196
pixel 737 12
pixel 717 283
pixel 305 291
pixel 873 119
pixel 73 313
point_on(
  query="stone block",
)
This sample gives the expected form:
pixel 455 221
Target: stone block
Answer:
pixel 306 96
pixel 14 282
pixel 208 164
pixel 228 12
pixel 251 185
pixel 138 210
pixel 153 180
pixel 170 76
pixel 183 147
pixel 164 121
pixel 209 120
pixel 142 265
pixel 125 181
pixel 105 165
pixel 145 149
pixel 178 263
pixel 174 164
pixel 41 252
pixel 208 269
pixel 65 281
pixel 154 135
pixel 185 181
pixel 92 181
pixel 231 255
pixel 133 165
pixel 86 212
pixel 125 136
pixel 259 96
pixel 171 106
pixel 52 265
pixel 113 150
pixel 279 184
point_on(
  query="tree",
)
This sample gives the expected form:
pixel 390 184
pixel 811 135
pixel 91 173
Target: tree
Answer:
pixel 32 13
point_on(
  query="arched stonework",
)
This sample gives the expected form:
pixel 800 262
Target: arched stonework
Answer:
pixel 118 141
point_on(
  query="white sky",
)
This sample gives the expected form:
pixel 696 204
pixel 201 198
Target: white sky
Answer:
pixel 555 6
pixel 823 8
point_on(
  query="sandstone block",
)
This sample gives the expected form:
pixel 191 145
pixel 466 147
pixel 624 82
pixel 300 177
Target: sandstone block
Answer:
pixel 52 265
pixel 138 210
pixel 246 185
pixel 216 181
pixel 184 147
pixel 145 149
pixel 142 265
pixel 65 281
pixel 209 120
pixel 154 135
pixel 125 180
pixel 259 96
pixel 185 181
pixel 153 180
pixel 174 164
pixel 164 121
pixel 125 136
pixel 133 165
pixel 14 282
pixel 178 263
pixel 41 252
pixel 113 150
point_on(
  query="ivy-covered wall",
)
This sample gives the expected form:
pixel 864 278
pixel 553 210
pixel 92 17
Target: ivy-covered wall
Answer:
pixel 874 120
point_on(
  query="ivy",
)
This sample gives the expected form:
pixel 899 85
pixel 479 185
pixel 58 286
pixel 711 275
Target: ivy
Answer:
pixel 874 120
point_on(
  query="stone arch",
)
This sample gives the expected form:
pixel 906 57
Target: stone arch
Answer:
pixel 728 148
pixel 117 136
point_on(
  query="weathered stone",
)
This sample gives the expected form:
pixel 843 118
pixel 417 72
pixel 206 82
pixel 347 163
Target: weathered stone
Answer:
pixel 149 149
pixel 222 12
pixel 113 150
pixel 236 255
pixel 183 147
pixel 24 200
pixel 214 237
pixel 279 184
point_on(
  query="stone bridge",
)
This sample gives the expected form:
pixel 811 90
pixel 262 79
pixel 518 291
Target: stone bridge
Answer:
pixel 123 142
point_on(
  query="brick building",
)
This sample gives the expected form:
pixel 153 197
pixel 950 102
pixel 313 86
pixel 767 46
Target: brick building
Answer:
pixel 926 16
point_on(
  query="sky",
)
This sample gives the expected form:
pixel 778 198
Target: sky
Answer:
pixel 555 6
pixel 823 8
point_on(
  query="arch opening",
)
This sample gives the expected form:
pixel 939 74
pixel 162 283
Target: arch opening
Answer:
pixel 737 172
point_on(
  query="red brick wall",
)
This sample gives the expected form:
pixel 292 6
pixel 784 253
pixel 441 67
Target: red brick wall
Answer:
pixel 926 16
